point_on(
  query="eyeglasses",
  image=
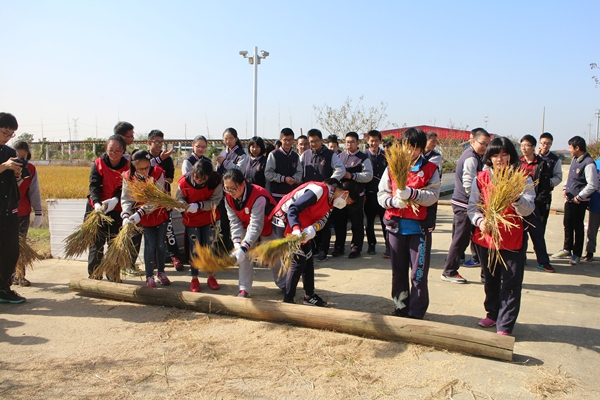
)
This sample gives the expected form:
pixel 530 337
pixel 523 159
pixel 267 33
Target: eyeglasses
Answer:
pixel 482 143
pixel 7 132
pixel 230 189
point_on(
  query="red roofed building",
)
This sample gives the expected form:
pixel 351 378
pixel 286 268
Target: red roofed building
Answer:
pixel 443 133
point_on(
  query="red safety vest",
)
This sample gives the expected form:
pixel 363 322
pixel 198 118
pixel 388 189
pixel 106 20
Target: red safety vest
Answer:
pixel 416 180
pixel 24 202
pixel 512 238
pixel 310 214
pixel 159 215
pixel 112 181
pixel 245 213
pixel 194 195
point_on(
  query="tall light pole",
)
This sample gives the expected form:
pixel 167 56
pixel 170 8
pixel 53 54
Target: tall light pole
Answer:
pixel 597 123
pixel 254 60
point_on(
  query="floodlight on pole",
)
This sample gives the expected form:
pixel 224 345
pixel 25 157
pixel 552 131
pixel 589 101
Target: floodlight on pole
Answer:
pixel 254 60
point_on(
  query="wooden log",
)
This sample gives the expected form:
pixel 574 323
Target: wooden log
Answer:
pixel 436 334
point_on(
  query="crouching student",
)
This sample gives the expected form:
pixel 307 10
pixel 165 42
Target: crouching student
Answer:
pixel 202 189
pixel 106 183
pixel 503 285
pixel 305 210
pixel 248 208
pixel 409 228
pixel 152 220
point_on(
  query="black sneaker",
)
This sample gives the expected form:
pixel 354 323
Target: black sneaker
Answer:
pixel 314 300
pixel 386 253
pixel 354 254
pixel 371 249
pixel 546 267
pixel 588 257
pixel 322 256
pixel 401 312
pixel 337 253
pixel 10 296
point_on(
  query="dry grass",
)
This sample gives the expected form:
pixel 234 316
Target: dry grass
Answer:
pixel 400 162
pixel 119 254
pixel 205 259
pixel 148 193
pixel 63 182
pixel 86 234
pixel 270 253
pixel 551 383
pixel 27 257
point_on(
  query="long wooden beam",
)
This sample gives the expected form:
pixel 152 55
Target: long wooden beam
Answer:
pixel 437 334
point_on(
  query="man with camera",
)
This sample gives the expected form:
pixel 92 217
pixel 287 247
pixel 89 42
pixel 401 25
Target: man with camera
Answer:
pixel 10 172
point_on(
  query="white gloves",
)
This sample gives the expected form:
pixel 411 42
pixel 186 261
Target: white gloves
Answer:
pixel 297 232
pixel 310 231
pixel 37 221
pixel 397 202
pixel 110 204
pixel 237 245
pixel 134 219
pixel 404 194
pixel 239 255
pixel 193 208
pixel 98 206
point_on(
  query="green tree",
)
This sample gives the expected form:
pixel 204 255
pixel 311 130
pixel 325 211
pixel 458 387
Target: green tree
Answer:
pixel 27 137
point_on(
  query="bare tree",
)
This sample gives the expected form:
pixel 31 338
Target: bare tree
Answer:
pixel 349 118
pixel 595 78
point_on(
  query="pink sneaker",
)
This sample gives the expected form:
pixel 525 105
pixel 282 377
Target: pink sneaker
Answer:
pixel 212 283
pixel 162 279
pixel 487 322
pixel 150 282
pixel 243 293
pixel 195 285
pixel 503 333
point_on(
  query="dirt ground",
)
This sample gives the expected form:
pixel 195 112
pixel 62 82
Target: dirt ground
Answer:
pixel 64 345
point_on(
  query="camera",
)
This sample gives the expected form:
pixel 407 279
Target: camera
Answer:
pixel 24 171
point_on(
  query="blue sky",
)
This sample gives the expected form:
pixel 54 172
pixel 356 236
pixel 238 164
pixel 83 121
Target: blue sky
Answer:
pixel 175 65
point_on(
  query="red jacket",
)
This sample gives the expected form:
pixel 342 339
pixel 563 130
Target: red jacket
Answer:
pixel 416 180
pixel 245 213
pixel 24 202
pixel 159 215
pixel 112 181
pixel 512 238
pixel 194 195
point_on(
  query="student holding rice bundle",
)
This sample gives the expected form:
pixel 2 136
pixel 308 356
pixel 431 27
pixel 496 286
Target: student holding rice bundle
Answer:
pixel 202 189
pixel 153 220
pixel 514 198
pixel 409 228
pixel 248 208
pixel 106 182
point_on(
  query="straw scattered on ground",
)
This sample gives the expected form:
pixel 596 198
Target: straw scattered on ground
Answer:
pixel 270 253
pixel 551 383
pixel 119 254
pixel 27 256
pixel 86 234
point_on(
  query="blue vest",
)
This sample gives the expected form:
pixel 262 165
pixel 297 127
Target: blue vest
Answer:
pixel 285 165
pixel 317 165
pixel 576 180
pixel 233 155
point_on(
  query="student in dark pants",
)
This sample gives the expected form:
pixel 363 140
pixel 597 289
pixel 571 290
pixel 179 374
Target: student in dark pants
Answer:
pixel 503 284
pixel 554 164
pixel 319 163
pixel 467 167
pixel 372 207
pixel 581 183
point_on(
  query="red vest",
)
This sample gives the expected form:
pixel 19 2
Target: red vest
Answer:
pixel 112 181
pixel 24 202
pixel 416 180
pixel 245 213
pixel 310 214
pixel 512 238
pixel 159 215
pixel 193 195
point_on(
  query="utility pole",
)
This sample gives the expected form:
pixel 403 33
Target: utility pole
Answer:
pixel 597 123
pixel 254 60
pixel 75 127
pixel 589 131
pixel 543 119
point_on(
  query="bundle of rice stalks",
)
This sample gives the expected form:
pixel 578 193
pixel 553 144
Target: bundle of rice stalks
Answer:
pixel 270 253
pixel 86 234
pixel 205 259
pixel 27 256
pixel 146 192
pixel 119 254
pixel 504 188
pixel 399 159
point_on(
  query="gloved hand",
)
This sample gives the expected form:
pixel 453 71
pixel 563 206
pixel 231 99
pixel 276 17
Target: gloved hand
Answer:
pixel 237 245
pixel 98 206
pixel 397 202
pixel 110 204
pixel 297 232
pixel 193 208
pixel 404 194
pixel 37 221
pixel 310 231
pixel 239 255
pixel 135 218
pixel 126 221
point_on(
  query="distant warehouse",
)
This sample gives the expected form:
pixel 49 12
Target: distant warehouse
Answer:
pixel 443 133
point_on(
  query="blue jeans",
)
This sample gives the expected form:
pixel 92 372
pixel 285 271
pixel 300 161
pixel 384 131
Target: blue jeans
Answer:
pixel 155 245
pixel 205 235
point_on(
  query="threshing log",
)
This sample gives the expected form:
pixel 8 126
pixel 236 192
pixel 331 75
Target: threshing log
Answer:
pixel 436 334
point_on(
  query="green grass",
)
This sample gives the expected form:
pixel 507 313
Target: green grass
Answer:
pixel 39 239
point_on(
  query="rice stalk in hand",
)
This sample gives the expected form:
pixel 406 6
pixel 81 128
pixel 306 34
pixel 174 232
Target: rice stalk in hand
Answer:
pixel 400 162
pixel 505 187
pixel 119 254
pixel 86 234
pixel 270 253
pixel 206 260
pixel 148 193
pixel 27 256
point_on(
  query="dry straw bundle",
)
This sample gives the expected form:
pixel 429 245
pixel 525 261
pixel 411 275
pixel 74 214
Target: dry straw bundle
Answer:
pixel 146 192
pixel 270 253
pixel 399 159
pixel 86 234
pixel 505 186
pixel 206 259
pixel 27 256
pixel 119 254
